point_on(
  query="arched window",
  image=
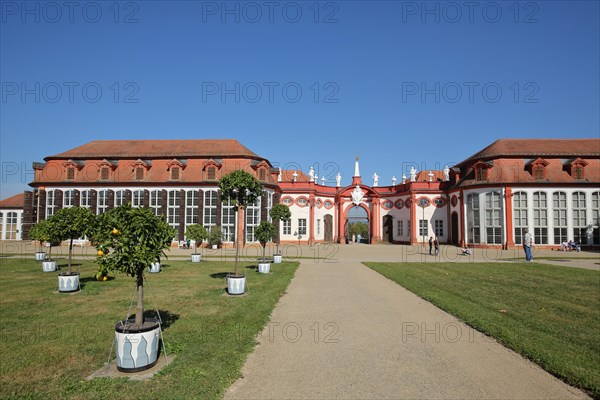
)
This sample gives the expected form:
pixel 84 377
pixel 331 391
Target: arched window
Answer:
pixel 520 215
pixel 579 218
pixel 540 218
pixel 473 225
pixel 559 209
pixel 493 218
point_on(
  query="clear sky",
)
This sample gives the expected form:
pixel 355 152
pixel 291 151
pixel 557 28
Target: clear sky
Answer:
pixel 400 83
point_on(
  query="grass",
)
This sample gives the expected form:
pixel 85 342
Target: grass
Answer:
pixel 550 314
pixel 51 342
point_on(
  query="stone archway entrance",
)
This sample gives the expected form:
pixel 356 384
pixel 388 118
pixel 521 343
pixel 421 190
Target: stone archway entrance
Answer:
pixel 357 224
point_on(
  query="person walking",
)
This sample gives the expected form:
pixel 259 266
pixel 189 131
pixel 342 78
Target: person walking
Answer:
pixel 527 244
pixel 436 246
pixel 430 244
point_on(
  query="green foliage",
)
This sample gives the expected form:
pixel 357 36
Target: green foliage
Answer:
pixel 358 228
pixel 39 232
pixel 280 212
pixel 215 236
pixel 240 187
pixel 197 233
pixel 264 232
pixel 131 239
pixel 71 223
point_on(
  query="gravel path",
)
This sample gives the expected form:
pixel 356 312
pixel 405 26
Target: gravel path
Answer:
pixel 345 332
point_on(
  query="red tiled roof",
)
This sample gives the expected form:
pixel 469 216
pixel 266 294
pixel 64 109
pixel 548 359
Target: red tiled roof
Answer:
pixel 157 149
pixel 16 201
pixel 287 176
pixel 538 147
pixel 423 176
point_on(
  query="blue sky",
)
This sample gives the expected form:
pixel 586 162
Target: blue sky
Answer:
pixel 302 83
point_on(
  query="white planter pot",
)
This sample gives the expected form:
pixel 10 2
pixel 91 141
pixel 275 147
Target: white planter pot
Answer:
pixel 137 349
pixel 68 282
pixel 154 267
pixel 264 267
pixel 40 255
pixel 277 259
pixel 48 266
pixel 215 246
pixel 236 284
pixel 196 258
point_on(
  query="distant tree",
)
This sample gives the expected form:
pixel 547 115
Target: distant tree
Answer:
pixel 197 233
pixel 72 223
pixel 241 189
pixel 279 212
pixel 264 233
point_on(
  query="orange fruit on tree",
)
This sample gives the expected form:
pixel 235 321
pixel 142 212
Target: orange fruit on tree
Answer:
pixel 100 253
pixel 115 231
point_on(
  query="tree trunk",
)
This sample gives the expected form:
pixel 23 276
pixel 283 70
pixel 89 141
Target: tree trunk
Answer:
pixel 70 253
pixel 139 309
pixel 263 246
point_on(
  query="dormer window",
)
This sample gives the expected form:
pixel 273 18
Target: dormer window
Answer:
pixel 211 173
pixel 139 173
pixel 70 173
pixel 175 173
pixel 538 169
pixel 482 170
pixel 104 171
pixel 71 167
pixel 175 168
pixel 262 175
pixel 481 173
pixel 578 168
pixel 539 172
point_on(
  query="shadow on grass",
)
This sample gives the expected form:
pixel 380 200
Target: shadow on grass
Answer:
pixel 167 317
pixel 219 275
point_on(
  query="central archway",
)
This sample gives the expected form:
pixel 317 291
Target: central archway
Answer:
pixel 357 225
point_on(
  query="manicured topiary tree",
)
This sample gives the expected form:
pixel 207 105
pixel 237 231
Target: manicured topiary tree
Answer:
pixel 197 233
pixel 39 233
pixel 279 212
pixel 215 236
pixel 264 233
pixel 72 223
pixel 128 240
pixel 242 189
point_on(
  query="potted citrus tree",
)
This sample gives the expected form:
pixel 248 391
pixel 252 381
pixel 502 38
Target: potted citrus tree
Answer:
pixel 241 189
pixel 128 240
pixel 279 212
pixel 215 236
pixel 197 233
pixel 264 233
pixel 69 224
pixel 37 234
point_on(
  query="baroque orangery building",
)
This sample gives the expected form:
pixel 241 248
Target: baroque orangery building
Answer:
pixel 551 186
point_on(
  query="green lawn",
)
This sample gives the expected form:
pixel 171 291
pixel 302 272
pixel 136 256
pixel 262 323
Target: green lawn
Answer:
pixel 551 314
pixel 51 342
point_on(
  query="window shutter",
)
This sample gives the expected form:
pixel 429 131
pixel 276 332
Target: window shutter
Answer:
pixel 128 196
pixel 94 201
pixel 41 205
pixel 58 200
pixel 219 208
pixel 110 200
pixel 76 198
pixel 146 198
pixel 263 207
pixel 181 214
pixel 165 200
pixel 201 207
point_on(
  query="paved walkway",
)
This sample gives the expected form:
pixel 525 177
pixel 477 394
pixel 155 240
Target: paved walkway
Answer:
pixel 345 332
